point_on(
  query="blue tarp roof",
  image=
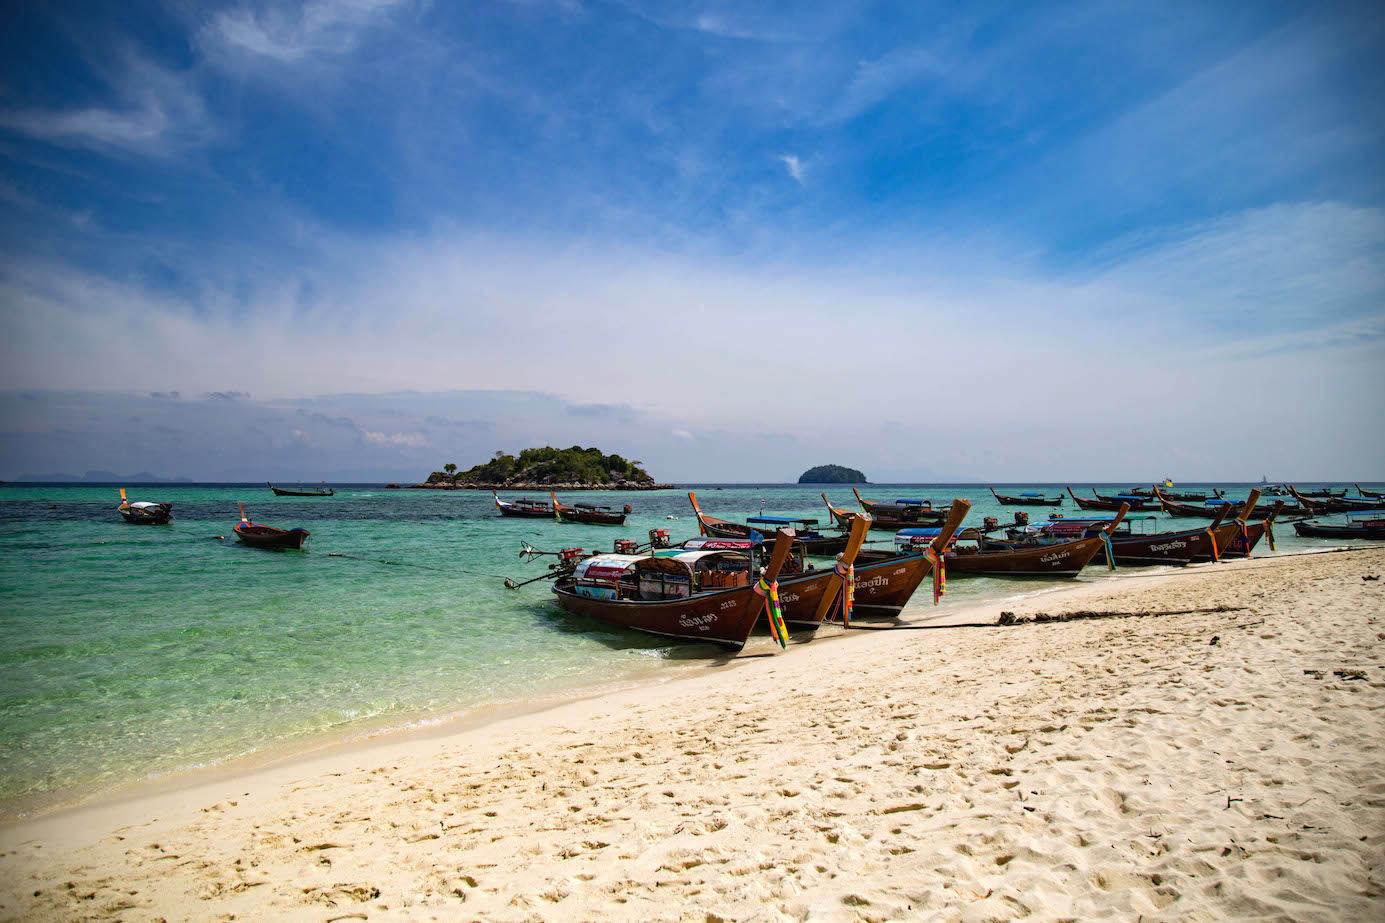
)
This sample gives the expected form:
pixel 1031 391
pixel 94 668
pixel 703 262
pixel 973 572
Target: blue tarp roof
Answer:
pixel 920 533
pixel 1216 501
pixel 912 502
pixel 1030 494
pixel 1130 497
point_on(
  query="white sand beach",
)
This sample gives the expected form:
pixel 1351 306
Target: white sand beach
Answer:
pixel 1222 763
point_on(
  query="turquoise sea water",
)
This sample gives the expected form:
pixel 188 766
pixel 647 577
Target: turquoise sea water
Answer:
pixel 135 651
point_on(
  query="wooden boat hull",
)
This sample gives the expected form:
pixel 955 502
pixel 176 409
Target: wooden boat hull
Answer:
pixel 724 618
pixel 591 517
pixel 1211 512
pixel 1008 500
pixel 886 581
pixel 257 536
pixel 844 519
pixel 1192 546
pixel 800 597
pixel 160 516
pixel 1313 529
pixel 1061 560
pixel 525 514
pixel 822 547
pixel 1109 504
pixel 285 492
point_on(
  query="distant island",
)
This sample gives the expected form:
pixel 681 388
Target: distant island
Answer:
pixel 547 469
pixel 832 474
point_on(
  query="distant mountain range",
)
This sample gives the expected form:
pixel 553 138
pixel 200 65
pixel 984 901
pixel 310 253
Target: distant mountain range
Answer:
pixel 105 477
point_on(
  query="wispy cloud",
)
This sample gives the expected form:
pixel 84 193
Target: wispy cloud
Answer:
pixel 795 168
pixel 154 111
pixel 290 33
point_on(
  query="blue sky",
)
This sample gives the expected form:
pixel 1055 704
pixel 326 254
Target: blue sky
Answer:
pixel 924 239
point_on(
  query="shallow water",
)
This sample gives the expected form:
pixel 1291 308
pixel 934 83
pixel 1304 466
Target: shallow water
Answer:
pixel 135 651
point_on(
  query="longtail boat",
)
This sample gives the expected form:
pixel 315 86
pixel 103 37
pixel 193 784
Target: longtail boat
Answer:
pixel 1334 504
pixel 887 522
pixel 1321 493
pixel 1357 524
pixel 1062 559
pixel 920 510
pixel 887 580
pixel 300 491
pixel 1132 548
pixel 144 512
pixel 704 594
pixel 261 536
pixel 1371 494
pixel 1189 496
pixel 589 513
pixel 1209 509
pixel 523 507
pixel 1111 504
pixel 1027 499
pixel 813 542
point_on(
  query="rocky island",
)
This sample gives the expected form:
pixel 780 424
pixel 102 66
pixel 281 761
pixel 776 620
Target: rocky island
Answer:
pixel 832 474
pixel 547 469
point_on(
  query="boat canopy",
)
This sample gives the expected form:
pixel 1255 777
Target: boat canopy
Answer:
pixel 1216 501
pixel 1130 497
pixel 912 502
pixel 607 567
pixel 782 521
pixel 919 533
pixel 1030 493
pixel 722 544
pixel 1366 515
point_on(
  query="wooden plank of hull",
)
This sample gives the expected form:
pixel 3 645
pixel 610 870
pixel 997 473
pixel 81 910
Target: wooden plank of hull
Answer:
pixel 724 618
pixel 1062 560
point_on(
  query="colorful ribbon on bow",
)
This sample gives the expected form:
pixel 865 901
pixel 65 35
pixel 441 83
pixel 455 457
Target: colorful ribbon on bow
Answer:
pixel 1269 532
pixel 1212 537
pixel 773 611
pixel 847 600
pixel 1110 552
pixel 939 572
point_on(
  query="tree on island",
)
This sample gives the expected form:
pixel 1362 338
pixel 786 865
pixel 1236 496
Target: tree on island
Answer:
pixel 832 474
pixel 450 468
pixel 548 465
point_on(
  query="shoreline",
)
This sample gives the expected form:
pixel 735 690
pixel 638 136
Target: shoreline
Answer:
pixel 475 718
pixel 872 775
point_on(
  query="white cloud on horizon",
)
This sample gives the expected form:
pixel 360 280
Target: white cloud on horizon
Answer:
pixel 996 367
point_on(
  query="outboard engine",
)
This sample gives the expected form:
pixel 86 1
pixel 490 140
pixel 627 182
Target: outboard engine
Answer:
pixel 658 538
pixel 1021 518
pixel 991 523
pixel 627 546
pixel 629 508
pixel 570 556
